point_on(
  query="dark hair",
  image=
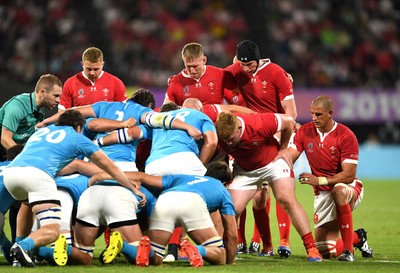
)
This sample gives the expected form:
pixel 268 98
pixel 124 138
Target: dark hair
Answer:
pixel 144 97
pixel 169 106
pixel 71 118
pixel 13 151
pixel 219 170
pixel 247 51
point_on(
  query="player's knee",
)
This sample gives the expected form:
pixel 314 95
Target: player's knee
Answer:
pixel 285 202
pixel 339 193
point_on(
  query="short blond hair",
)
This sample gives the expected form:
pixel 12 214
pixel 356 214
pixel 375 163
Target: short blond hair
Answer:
pixel 226 125
pixel 192 51
pixel 47 82
pixel 93 55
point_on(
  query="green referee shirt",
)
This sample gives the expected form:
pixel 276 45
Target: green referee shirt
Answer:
pixel 17 115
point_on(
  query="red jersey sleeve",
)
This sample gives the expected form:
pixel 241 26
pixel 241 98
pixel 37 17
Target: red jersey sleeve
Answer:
pixel 282 82
pixel 120 90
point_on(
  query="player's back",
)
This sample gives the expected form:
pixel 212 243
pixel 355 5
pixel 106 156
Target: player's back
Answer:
pixel 210 189
pixel 121 111
pixel 166 142
pixel 52 148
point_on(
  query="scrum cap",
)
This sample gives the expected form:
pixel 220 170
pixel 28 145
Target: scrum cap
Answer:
pixel 247 51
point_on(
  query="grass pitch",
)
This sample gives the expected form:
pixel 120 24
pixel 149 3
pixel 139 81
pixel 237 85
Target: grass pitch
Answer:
pixel 379 214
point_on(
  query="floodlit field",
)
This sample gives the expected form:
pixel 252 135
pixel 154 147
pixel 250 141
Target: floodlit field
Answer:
pixel 379 214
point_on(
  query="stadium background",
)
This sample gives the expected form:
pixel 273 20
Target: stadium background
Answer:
pixel 349 50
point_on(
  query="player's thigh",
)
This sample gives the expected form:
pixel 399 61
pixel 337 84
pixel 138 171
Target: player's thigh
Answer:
pixel 203 235
pixel 130 233
pixel 85 235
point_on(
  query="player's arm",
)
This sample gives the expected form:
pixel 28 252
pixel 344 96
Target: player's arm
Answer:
pixel 235 108
pixel 83 167
pixel 7 138
pixel 107 125
pixel 290 108
pixel 230 232
pixel 137 177
pixel 286 130
pixel 165 121
pixel 87 111
pixel 294 154
pixel 209 146
pixel 124 135
pixel 106 164
pixel 147 179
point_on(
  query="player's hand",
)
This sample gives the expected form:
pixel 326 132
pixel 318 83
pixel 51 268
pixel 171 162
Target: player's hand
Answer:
pixel 130 122
pixel 136 187
pixel 194 133
pixel 40 125
pixel 308 178
pixel 285 155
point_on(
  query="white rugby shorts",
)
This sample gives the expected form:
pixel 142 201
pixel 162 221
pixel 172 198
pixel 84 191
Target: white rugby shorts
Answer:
pixel 186 209
pixel 253 180
pixel 105 205
pixel 30 183
pixel 325 208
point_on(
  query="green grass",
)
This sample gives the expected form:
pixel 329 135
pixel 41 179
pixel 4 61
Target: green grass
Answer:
pixel 379 214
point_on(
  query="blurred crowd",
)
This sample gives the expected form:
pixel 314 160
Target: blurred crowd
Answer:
pixel 337 43
pixel 351 43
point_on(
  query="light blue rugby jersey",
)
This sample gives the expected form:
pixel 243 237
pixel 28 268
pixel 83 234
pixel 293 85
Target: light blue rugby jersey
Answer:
pixel 6 200
pixel 121 111
pixel 74 184
pixel 166 142
pixel 210 189
pixel 52 148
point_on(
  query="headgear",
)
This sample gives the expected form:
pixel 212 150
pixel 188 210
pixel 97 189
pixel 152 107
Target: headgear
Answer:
pixel 247 51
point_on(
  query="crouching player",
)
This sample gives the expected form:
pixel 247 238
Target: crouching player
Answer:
pixel 187 200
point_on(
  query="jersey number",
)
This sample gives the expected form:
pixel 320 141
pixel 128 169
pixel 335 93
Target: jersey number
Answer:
pixel 52 137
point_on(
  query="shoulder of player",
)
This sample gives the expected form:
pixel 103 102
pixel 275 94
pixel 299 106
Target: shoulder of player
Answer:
pixel 108 76
pixel 16 102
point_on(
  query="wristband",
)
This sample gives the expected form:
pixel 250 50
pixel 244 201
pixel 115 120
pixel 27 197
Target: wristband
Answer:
pixel 322 181
pixel 100 141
